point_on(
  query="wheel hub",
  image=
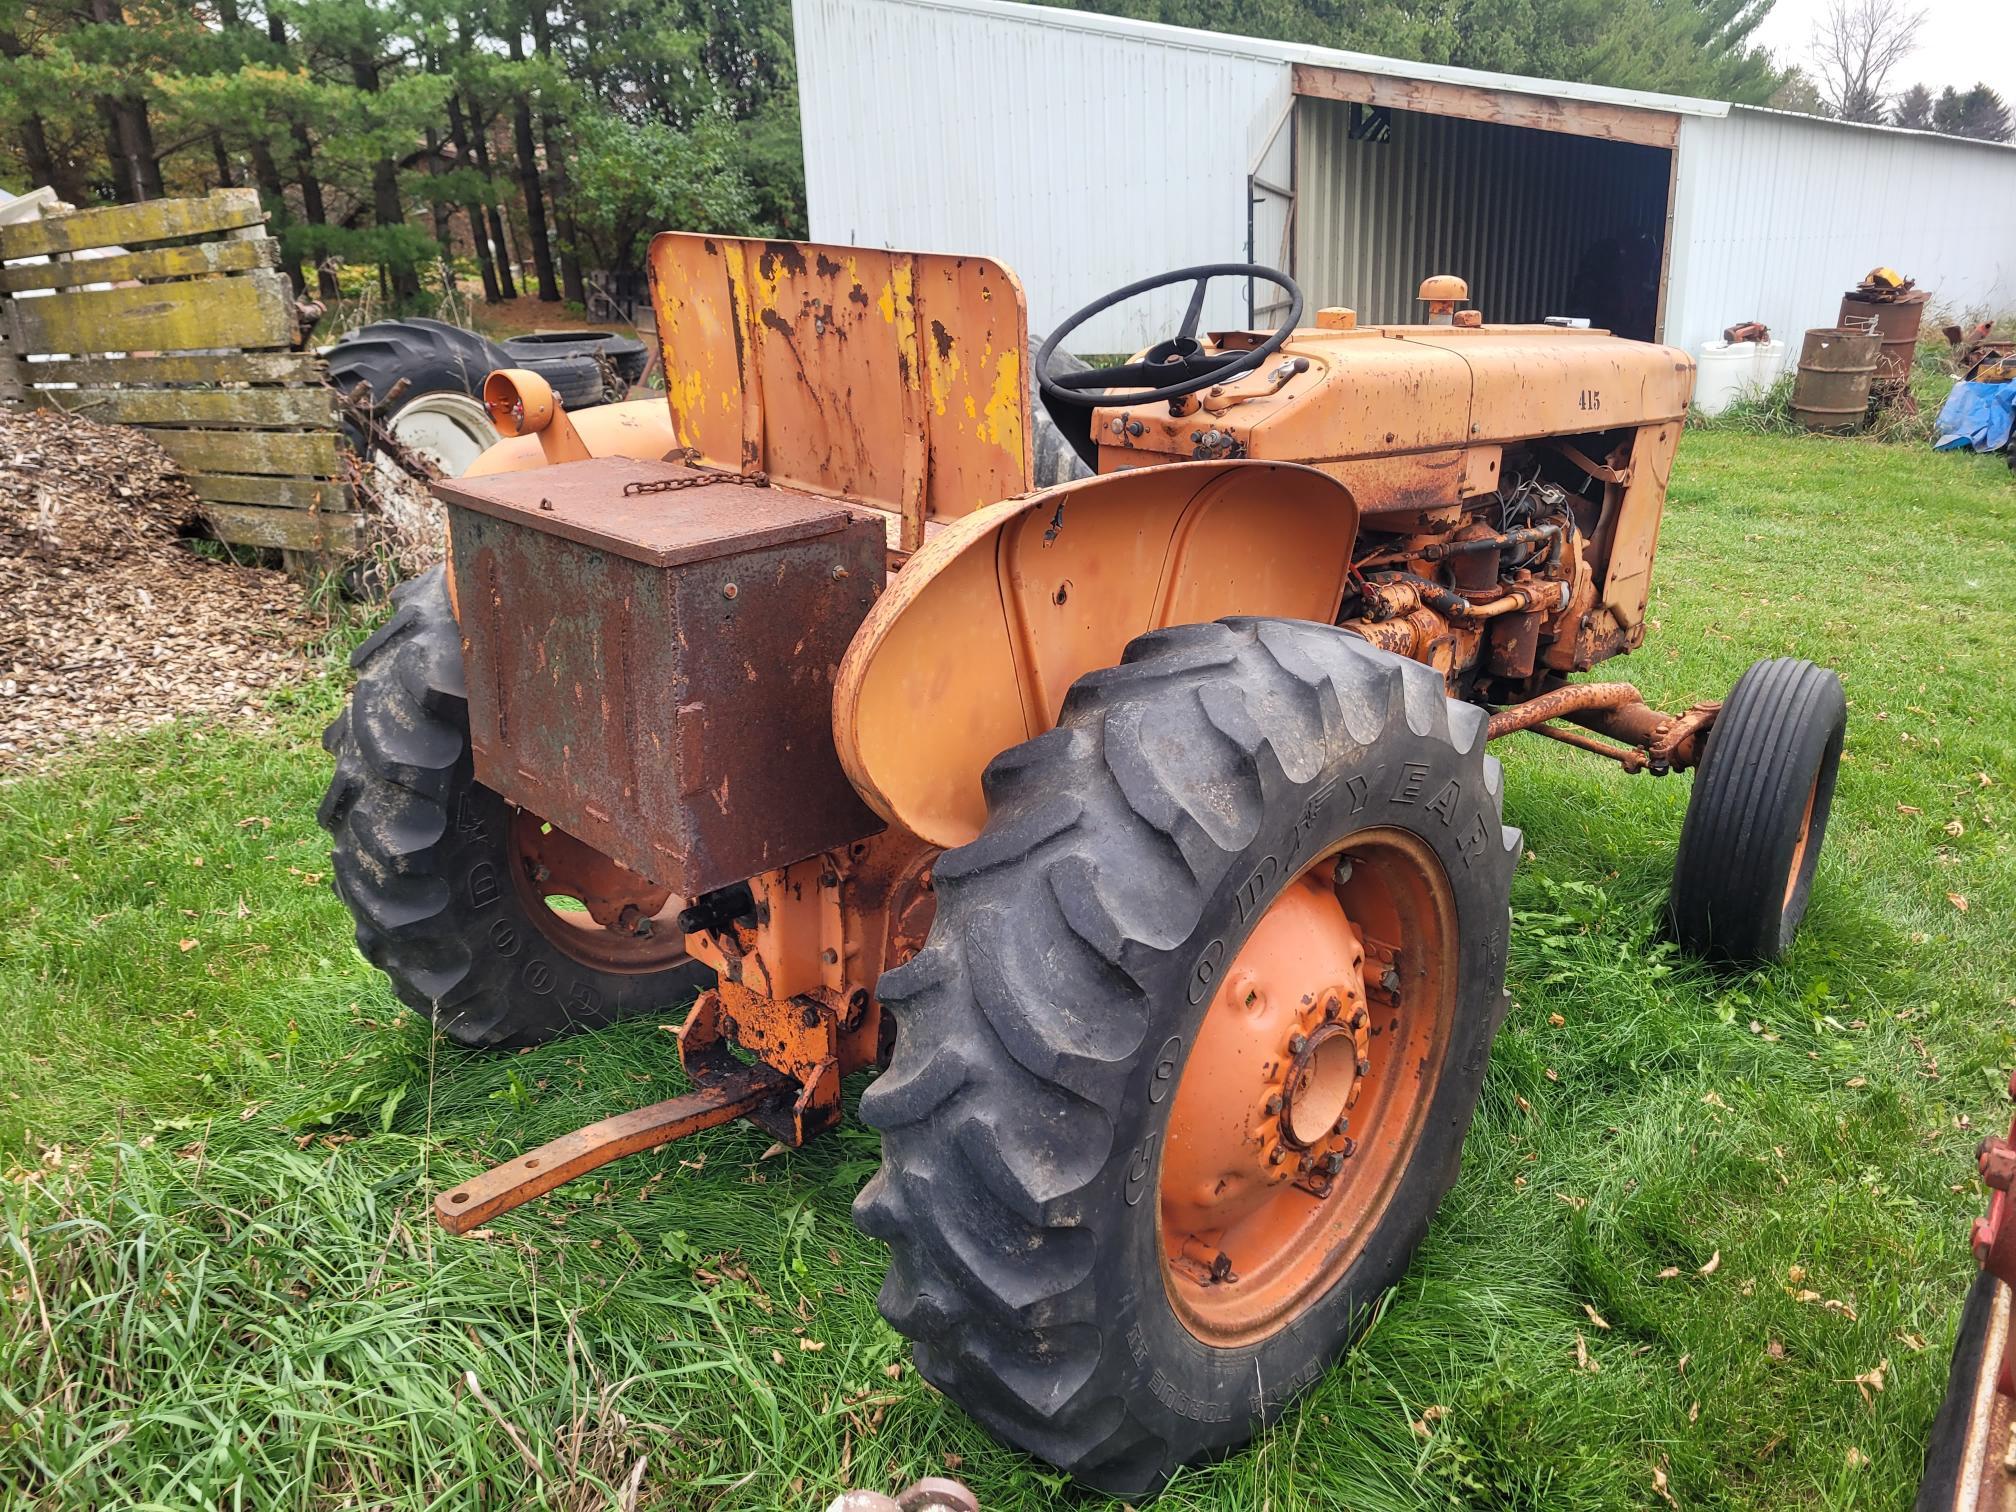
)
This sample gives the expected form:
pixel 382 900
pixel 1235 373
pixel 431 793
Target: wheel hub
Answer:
pixel 618 920
pixel 1286 1039
pixel 1306 1088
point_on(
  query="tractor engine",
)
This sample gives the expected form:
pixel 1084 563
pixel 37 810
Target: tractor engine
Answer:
pixel 1498 603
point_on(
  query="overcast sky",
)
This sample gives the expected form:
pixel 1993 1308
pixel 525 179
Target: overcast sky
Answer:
pixel 1961 42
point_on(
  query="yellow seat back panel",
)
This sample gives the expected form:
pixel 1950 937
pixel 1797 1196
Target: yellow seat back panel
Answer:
pixel 898 379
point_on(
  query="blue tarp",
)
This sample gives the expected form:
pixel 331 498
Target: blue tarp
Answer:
pixel 1977 415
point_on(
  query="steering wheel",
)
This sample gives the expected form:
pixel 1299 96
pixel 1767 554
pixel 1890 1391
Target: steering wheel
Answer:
pixel 1175 367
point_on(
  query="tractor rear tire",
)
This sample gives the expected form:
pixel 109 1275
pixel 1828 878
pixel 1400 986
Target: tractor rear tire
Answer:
pixel 422 855
pixel 1045 1031
pixel 1758 813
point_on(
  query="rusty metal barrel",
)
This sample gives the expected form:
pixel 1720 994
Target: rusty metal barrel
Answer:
pixel 1836 367
pixel 1895 318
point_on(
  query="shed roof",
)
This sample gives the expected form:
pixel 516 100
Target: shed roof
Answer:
pixel 1266 49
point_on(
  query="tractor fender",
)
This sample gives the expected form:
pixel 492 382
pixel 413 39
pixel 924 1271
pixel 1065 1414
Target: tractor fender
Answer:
pixel 640 428
pixel 973 646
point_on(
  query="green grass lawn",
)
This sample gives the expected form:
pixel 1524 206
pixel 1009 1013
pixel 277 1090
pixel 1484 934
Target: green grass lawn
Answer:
pixel 223 1134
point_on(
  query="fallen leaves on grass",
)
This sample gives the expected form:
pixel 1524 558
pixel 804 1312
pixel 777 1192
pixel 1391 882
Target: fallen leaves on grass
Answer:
pixel 1957 901
pixel 1659 1485
pixel 1870 1382
pixel 1594 1316
pixel 1582 1357
pixel 1714 1264
pixel 1424 1424
pixel 1669 1273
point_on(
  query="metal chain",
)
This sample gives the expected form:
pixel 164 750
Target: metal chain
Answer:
pixel 700 479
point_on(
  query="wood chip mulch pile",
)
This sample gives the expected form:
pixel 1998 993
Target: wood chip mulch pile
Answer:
pixel 107 620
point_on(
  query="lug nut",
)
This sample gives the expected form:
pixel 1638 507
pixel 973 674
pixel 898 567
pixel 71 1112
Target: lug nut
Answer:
pixel 1221 1267
pixel 1333 1163
pixel 1343 1126
pixel 1274 1103
pixel 1276 1155
pixel 1349 1147
pixel 1297 1044
pixel 729 590
pixel 1343 872
pixel 1364 1066
pixel 1391 981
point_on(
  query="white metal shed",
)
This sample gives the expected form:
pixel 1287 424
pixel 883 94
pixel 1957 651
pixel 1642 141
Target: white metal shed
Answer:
pixel 1086 151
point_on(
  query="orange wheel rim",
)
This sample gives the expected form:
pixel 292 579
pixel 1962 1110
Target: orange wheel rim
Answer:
pixel 1801 846
pixel 1307 1087
pixel 624 924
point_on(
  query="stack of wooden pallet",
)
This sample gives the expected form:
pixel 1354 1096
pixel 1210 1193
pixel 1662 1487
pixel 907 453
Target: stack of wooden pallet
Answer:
pixel 171 316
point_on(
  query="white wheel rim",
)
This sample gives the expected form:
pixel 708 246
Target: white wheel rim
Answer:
pixel 451 430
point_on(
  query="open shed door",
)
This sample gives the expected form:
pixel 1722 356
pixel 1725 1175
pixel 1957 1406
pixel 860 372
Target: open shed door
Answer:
pixel 1545 207
pixel 1270 220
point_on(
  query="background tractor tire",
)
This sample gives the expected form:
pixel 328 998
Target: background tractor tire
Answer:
pixel 1758 813
pixel 421 855
pixel 440 410
pixel 567 360
pixel 1039 1028
pixel 1053 459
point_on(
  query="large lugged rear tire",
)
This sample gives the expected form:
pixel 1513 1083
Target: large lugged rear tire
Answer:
pixel 1758 812
pixel 1080 945
pixel 423 856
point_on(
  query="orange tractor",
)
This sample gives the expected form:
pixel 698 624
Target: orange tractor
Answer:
pixel 1139 830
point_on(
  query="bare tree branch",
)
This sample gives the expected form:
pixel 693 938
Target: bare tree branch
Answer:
pixel 1857 45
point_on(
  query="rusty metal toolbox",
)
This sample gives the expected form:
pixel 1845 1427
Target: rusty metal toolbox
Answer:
pixel 651 651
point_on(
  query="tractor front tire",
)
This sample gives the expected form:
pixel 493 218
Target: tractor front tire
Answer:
pixel 1052 1130
pixel 423 856
pixel 1758 813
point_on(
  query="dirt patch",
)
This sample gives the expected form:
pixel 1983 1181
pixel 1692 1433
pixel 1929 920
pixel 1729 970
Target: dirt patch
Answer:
pixel 524 315
pixel 107 620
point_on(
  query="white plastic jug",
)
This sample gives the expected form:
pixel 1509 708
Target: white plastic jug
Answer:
pixel 1727 371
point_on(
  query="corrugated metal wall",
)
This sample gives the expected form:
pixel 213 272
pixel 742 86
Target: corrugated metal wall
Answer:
pixel 1087 151
pixel 1775 215
pixel 1510 210
pixel 1083 161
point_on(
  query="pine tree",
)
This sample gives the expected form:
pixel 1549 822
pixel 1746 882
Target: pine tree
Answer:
pixel 1913 109
pixel 1982 115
